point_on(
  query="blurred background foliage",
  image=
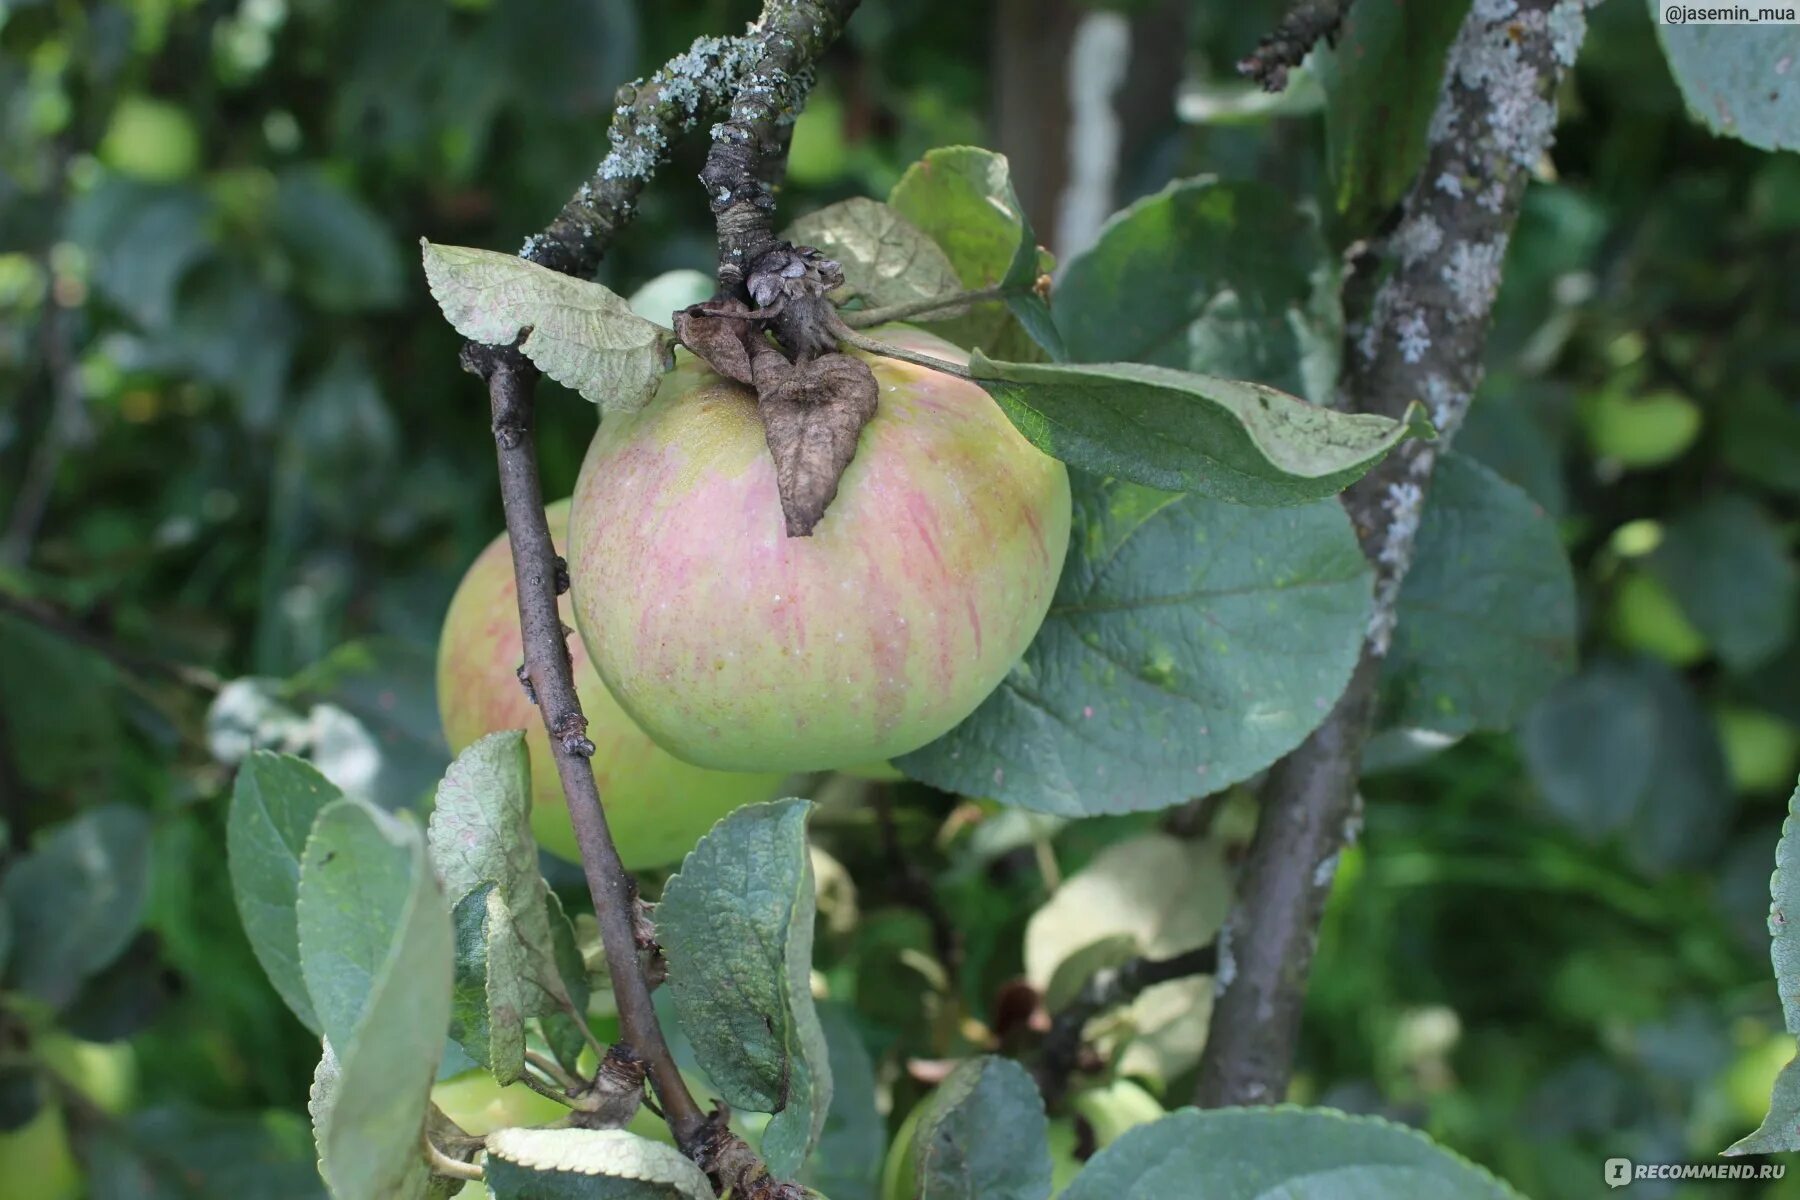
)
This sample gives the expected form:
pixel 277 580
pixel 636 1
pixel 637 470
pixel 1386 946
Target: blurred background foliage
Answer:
pixel 235 446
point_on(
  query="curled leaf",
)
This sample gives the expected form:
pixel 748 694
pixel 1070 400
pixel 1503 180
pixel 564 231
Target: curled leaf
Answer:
pixel 575 331
pixel 723 341
pixel 812 414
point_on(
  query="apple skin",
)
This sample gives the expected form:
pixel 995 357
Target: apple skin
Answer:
pixel 36 1162
pixel 657 806
pixel 740 648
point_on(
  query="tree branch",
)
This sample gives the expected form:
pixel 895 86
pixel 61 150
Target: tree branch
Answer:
pixel 651 116
pixel 1423 338
pixel 738 176
pixel 1306 23
pixel 1104 991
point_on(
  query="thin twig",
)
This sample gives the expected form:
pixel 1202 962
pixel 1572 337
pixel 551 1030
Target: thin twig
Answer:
pixel 670 104
pixel 133 661
pixel 1305 25
pixel 442 1164
pixel 547 1089
pixel 511 384
pixel 1104 991
pixel 863 318
pixel 1423 337
pixel 552 1069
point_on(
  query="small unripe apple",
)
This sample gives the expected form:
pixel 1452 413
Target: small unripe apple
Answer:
pixel 1646 616
pixel 738 647
pixel 657 806
pixel 479 1105
pixel 150 139
pixel 104 1072
pixel 36 1162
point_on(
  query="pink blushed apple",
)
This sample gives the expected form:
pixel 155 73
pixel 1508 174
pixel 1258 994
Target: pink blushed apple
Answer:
pixel 656 805
pixel 739 648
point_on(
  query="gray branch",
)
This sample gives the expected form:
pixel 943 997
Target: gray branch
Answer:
pixel 652 114
pixel 740 168
pixel 1422 339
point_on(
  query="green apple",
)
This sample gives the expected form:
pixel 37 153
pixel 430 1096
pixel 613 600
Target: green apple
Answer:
pixel 656 805
pixel 1761 749
pixel 1113 1108
pixel 151 140
pixel 36 1162
pixel 738 647
pixel 1750 1079
pixel 1645 616
pixel 104 1072
pixel 1640 431
pixel 479 1105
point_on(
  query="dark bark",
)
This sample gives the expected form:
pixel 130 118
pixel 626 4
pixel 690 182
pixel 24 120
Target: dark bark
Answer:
pixel 1293 39
pixel 1422 339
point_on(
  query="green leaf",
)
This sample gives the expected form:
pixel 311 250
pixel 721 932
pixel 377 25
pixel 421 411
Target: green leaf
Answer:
pixel 76 901
pixel 982 1136
pixel 1487 614
pixel 582 335
pixel 589 1164
pixel 1230 279
pixel 1780 1130
pixel 142 239
pixel 1154 895
pixel 1178 431
pixel 1189 645
pixel 273 805
pixel 737 927
pixel 847 1164
pixel 480 833
pixel 1381 81
pixel 1624 750
pixel 1288 1153
pixel 376 953
pixel 344 258
pixel 963 198
pixel 181 1154
pixel 489 999
pixel 886 259
pixel 1738 80
pixel 1728 565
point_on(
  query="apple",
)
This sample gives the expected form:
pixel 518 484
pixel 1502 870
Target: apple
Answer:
pixel 1750 1079
pixel 479 1105
pixel 1113 1108
pixel 1641 431
pixel 740 648
pixel 36 1162
pixel 151 140
pixel 1646 616
pixel 104 1072
pixel 656 805
pixel 1761 750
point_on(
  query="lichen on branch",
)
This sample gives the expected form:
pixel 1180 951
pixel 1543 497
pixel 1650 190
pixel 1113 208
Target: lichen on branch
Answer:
pixel 1421 339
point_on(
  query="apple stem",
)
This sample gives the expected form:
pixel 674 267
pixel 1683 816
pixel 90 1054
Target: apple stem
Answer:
pixel 453 1168
pixel 863 318
pixel 869 345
